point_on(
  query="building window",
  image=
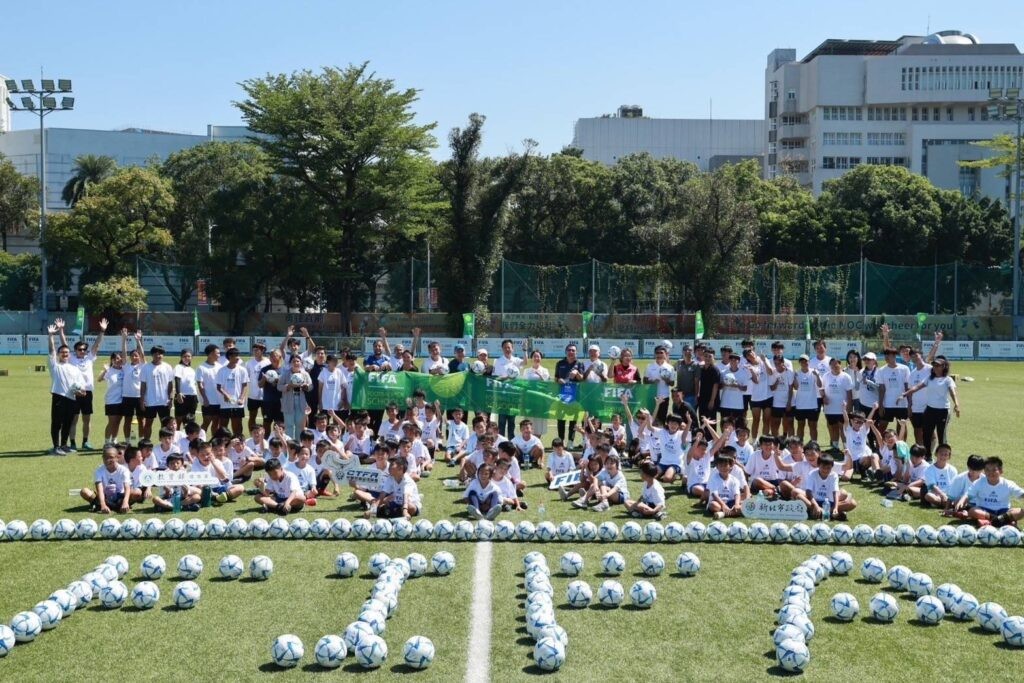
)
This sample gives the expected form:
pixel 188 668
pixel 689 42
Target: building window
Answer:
pixel 913 114
pixel 791 94
pixel 949 113
pixel 970 113
pixel 935 114
pixel 969 181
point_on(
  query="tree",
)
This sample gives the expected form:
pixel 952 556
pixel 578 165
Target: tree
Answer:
pixel 18 201
pixel 114 296
pixel 471 244
pixel 348 137
pixel 1005 148
pixel 19 280
pixel 790 227
pixel 122 217
pixel 89 171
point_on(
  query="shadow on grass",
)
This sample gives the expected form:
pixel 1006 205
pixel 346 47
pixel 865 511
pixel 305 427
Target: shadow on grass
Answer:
pixel 250 579
pixel 315 668
pixel 28 454
pixel 174 609
pixel 534 670
pixel 404 669
pixel 871 621
pixel 271 668
pixel 222 579
pixel 979 631
pixel 864 582
pixel 1003 645
pixel 780 672
pixel 770 654
pixel 85 507
pixel 922 624
pixel 525 641
pixel 354 668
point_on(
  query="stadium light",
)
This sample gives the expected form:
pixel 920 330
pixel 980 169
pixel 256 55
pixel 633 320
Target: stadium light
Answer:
pixel 1007 105
pixel 40 103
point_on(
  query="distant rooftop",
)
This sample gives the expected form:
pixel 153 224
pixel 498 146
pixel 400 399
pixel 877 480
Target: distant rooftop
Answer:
pixel 939 43
pixel 864 48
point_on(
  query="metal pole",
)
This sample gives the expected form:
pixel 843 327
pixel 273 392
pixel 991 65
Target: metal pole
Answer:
pixel 593 284
pixel 412 285
pixel 1016 235
pixel 864 287
pixel 503 294
pixel 863 303
pixel 935 282
pixel 42 213
pixel 956 290
pixel 775 271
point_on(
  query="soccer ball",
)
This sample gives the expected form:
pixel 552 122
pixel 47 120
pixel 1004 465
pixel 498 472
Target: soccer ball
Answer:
pixel 716 532
pixel 296 379
pixel 109 529
pixel 95 581
pixel 930 609
pixel 790 611
pixel 113 595
pixel 26 626
pixel 50 613
pixel 539 619
pixel 145 595
pixel 40 530
pixel 361 529
pixel 442 531
pixel 377 563
pixel 216 528
pixel 1013 631
pixel 418 652
pixel 608 532
pixel 926 535
pixel 667 375
pixel 299 528
pixel 186 595
pixel 477 367
pixel 554 631
pixel 863 534
pixel 279 528
pixel 7 640
pixel 587 532
pixel 194 529
pixel 261 567
pixel 991 615
pixel 549 654
pixel 799 533
pixel 566 531
pixel 504 530
pixel 737 532
pixel 793 655
pixel 885 534
pixel 884 608
pixel 346 565
pixel 842 563
pixel 524 530
pixel 842 534
pixel 375 618
pixel 443 563
pixel 643 594
pixel 759 533
pixel 805 582
pixel 964 607
pixel 966 534
pixel 63 529
pixel 287 651
pixel 66 600
pixel 16 530
pixel 402 529
pixel 688 564
pixel 578 594
pixel 947 535
pixel 652 564
pixel 612 564
pixel 779 532
pixel 873 570
pixel 131 529
pixel 118 563
pixel 190 567
pixel 463 530
pixel 898 577
pixel 341 528
pixel 174 528
pixel 610 593
pixel 382 529
pixel 151 528
pixel 537 581
pixel 905 534
pixel 107 571
pixel 786 632
pixel 546 531
pixel 534 557
pixel 947 594
pixel 355 632
pixel 371 652
pixel 695 531
pixel 614 352
pixel 844 606
pixel 82 592
pixel 85 529
pixel 821 533
pixel 571 564
pixel 803 622
pixel 1010 536
pixel 259 528
pixel 417 565
pixel 988 536
pixel 231 567
pixel 793 593
pixel 920 584
pixel 330 651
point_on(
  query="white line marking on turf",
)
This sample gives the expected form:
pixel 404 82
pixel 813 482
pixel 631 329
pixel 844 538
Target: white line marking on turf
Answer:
pixel 478 660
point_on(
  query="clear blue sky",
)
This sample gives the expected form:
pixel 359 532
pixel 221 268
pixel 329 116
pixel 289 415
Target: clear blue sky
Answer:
pixel 532 67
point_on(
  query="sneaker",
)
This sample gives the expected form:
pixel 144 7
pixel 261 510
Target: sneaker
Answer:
pixel 839 516
pixel 193 507
pixel 73 447
pixel 473 512
pixel 905 497
pixel 493 513
pixel 579 503
pixel 265 510
pixel 58 451
pixel 524 505
pixel 660 516
pixel 602 506
pixel 86 446
pixel 718 515
pixel 563 493
pixel 220 499
pixel 635 514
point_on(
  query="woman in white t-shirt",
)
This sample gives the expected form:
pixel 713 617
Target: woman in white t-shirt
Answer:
pixel 535 371
pixel 113 375
pixel 938 388
pixel 67 384
pixel 186 390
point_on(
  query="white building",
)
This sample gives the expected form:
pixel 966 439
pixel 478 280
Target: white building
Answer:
pixel 916 101
pixel 5 108
pixel 706 142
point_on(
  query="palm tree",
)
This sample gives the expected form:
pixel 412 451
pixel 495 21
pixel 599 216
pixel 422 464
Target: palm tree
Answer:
pixel 89 170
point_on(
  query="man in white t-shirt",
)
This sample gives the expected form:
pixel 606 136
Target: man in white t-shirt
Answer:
pixel 186 390
pixel 157 390
pixel 507 366
pixel 663 375
pixel 279 491
pixel 254 367
pixel 206 377
pixel 66 382
pixel 892 381
pixel 232 385
pixel 594 369
pixel 84 359
pixel 434 363
pixel 735 381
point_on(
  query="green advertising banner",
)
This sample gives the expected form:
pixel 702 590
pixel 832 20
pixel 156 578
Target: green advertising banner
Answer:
pixel 527 398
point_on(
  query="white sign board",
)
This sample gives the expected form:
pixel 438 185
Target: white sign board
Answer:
pixel 448 346
pixel 792 348
pixel 607 342
pixel 36 344
pixel 177 478
pixel 554 348
pixel 11 344
pixel 757 507
pixel 1000 349
pixel 272 342
pixel 954 350
pixel 350 471
pixel 565 479
pixel 244 344
pixel 647 349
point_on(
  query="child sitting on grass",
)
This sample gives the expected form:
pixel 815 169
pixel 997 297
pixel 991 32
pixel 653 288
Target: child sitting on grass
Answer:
pixel 483 498
pixel 503 480
pixel 724 490
pixel 560 461
pixel 279 491
pixel 992 495
pixel 912 485
pixel 893 453
pixel 652 498
pixel 112 485
pixel 399 495
pixel 858 455
pixel 938 479
pixel 163 498
pixel 363 495
pixel 588 476
pixel 609 488
pixel 961 483
pixel 821 492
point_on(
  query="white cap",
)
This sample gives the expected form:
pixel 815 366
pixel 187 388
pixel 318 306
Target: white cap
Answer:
pixel 594 347
pixel 482 350
pixel 870 355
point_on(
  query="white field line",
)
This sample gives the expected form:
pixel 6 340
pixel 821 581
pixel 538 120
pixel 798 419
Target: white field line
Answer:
pixel 478 659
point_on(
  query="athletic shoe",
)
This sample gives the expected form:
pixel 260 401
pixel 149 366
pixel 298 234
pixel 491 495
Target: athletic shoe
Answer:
pixel 659 516
pixel 563 493
pixel 57 451
pixel 718 515
pixel 602 506
pixel 635 514
pixel 220 499
pixel 88 446
pixel 493 513
pixel 194 507
pixel 579 503
pixel 70 449
pixel 473 512
pixel 523 504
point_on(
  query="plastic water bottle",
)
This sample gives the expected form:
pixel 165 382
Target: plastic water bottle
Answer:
pixel 542 512
pixel 176 499
pixel 886 502
pixel 826 512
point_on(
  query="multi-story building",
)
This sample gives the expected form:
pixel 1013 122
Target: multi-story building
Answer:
pixel 709 142
pixel 918 101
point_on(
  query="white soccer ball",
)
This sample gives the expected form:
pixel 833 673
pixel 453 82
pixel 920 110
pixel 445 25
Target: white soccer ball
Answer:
pixel 346 565
pixel 16 530
pixel 299 528
pixel 186 595
pixel 610 593
pixel 608 532
pixel 504 530
pixel 578 594
pixel 174 528
pixel 716 532
pixel 667 375
pixel 377 563
pixel 947 536
pixel 549 654
pixel 152 528
pixel 991 615
pixel 920 584
pixel 418 652
pixel 571 564
pixel 96 581
pixel 109 529
pixel 652 564
pixel 25 626
pixel 512 372
pixel 525 530
pixel 786 632
pixel 632 532
pixel 546 531
pixel 7 640
pixel 804 581
pixel 50 613
pixel 417 565
pixel 654 532
pixel 799 533
pixel 402 529
pixel 131 529
pixel 885 534
pixel 898 577
pixel 927 535
pixel 539 619
pixel 643 594
pixel 905 534
pixel 612 564
pixel 586 532
pixel 371 652
pixel 341 528
pixel 145 595
pixel 566 531
pixel 239 528
pixel 873 570
pixel 464 530
pixel 821 533
pixel 40 530
pixel 261 568
pixel 442 531
pixel 884 608
pixel 296 379
pixel 554 631
pixel 287 651
pixel 988 536
pixel 119 563
pixel 676 532
pixel 737 532
pixel 361 529
pixel 258 528
pixel 1012 630
pixel 382 529
pixel 107 571
pixel 355 632
pixel 477 367
pixel 842 563
pixel 695 531
pixel 443 563
pixel 614 351
pixel 279 529
pixel 113 595
pixel 82 591
pixel 688 564
pixel 779 533
pixel 793 655
pixel 271 376
pixel 66 600
pixel 195 528
pixel 330 651
pixel 190 567
pixel 966 534
pixel 534 557
pixel 844 606
pixel 63 529
pixel 930 609
pixel 216 528
pixel 1010 536
pixel 793 593
pixel 789 612
pixel 231 567
pixel 964 607
pixel 863 534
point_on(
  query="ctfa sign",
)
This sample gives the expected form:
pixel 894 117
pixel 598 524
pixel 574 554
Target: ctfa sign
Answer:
pixel 762 508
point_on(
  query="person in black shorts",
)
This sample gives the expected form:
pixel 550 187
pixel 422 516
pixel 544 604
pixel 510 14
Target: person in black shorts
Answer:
pixel 709 386
pixel 272 412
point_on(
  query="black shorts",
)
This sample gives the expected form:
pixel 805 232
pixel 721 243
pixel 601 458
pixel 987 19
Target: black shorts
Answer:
pixel 894 414
pixel 783 411
pixel 272 411
pixel 917 419
pixel 187 407
pixel 806 414
pixel 834 419
pixel 211 410
pixel 131 407
pixel 153 412
pixel 766 403
pixel 83 404
pixel 254 405
pixel 734 413
pixel 746 402
pixel 113 410
pixel 861 408
pixel 231 413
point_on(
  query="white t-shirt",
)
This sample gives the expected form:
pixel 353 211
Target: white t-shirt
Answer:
pixel 206 375
pixel 618 482
pixel 595 376
pixel 806 397
pixel 820 364
pixel 331 383
pixel 867 387
pixel 856 441
pixel 783 387
pixel 458 434
pixel 239 458
pixel 483 492
pixel 62 376
pixel 836 389
pixel 653 374
pixel 762 389
pixel 186 380
pixel 758 467
pixel 159 455
pixel 936 392
pixel 560 464
pixel 157 379
pixel 653 494
pixel 253 367
pixel 994 497
pixel 115 382
pixel 288 486
pixel 941 477
pixel 728 489
pixel 131 385
pixel 113 483
pixel 822 489
pixel 137 473
pixel 430 429
pixel 671 448
pixel 306 476
pixel 502 364
pixel 85 366
pixel 506 486
pixel 233 381
pixel 540 373
pixel 525 446
pixel 917 471
pixel 698 470
pixel 403 491
pixel 801 468
pixel 895 380
pixel 732 392
pixel 960 485
pixel 918 401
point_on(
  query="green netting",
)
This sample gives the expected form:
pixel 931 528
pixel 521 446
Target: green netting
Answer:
pixel 783 288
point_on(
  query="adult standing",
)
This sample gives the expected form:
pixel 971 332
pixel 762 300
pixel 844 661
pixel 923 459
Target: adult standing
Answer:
pixel 892 381
pixel 458 363
pixel 232 385
pixel 294 383
pixel 66 385
pixel 837 400
pixel 919 372
pixel 536 372
pixel 269 375
pixel 688 373
pixel 734 385
pixel 206 377
pixel 625 372
pixel 156 389
pixel 254 366
pixel 434 363
pixel 760 388
pixel 377 361
pixel 186 390
pixel 131 387
pixel 507 366
pixel 661 374
pixel 84 359
pixel 710 385
pixel 568 373
pixel 938 388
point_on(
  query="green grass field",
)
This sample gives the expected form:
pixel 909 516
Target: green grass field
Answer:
pixel 716 625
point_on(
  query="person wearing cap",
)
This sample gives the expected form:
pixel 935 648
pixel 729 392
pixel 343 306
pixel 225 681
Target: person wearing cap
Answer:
pixel 568 370
pixel 807 384
pixel 866 398
pixel 458 363
pixel 594 369
pixel 293 397
pixel 83 358
pixel 232 386
pixel 156 390
pixel 661 374
pixel 688 377
pixel 502 370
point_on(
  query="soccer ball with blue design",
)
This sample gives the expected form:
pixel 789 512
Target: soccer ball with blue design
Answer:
pixel 652 564
pixel 844 607
pixel 26 626
pixel 145 595
pixel 153 567
pixel 66 600
pixel 571 564
pixel 418 652
pixel 643 594
pixel 688 564
pixel 930 609
pixel 50 613
pixel 884 608
pixel 186 595
pixel 991 615
pixel 873 570
pixel 443 563
pixel 1012 631
pixel 113 595
pixel 793 655
pixel 371 652
pixel 612 564
pixel 231 567
pixel 549 654
pixel 119 563
pixel 578 594
pixel 330 652
pixel 261 567
pixel 287 651
pixel 7 640
pixel 190 567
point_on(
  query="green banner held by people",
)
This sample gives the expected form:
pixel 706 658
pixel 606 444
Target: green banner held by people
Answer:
pixel 587 317
pixel 79 322
pixel 526 398
pixel 469 324
pixel 698 330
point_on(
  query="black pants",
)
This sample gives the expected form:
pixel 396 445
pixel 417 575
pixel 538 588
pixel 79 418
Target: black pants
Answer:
pixel 186 410
pixel 62 412
pixel 572 431
pixel 934 420
pixel 507 426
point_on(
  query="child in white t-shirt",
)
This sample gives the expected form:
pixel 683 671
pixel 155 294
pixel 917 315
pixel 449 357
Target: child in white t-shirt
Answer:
pixel 698 467
pixel 112 485
pixel 992 495
pixel 609 489
pixel 431 427
pixel 400 497
pixel 652 497
pixel 529 446
pixel 164 496
pixel 961 484
pixel 938 479
pixel 305 474
pixel 766 468
pixel 821 491
pixel 560 461
pixel 502 479
pixel 913 485
pixel 483 497
pixel 725 492
pixel 858 455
